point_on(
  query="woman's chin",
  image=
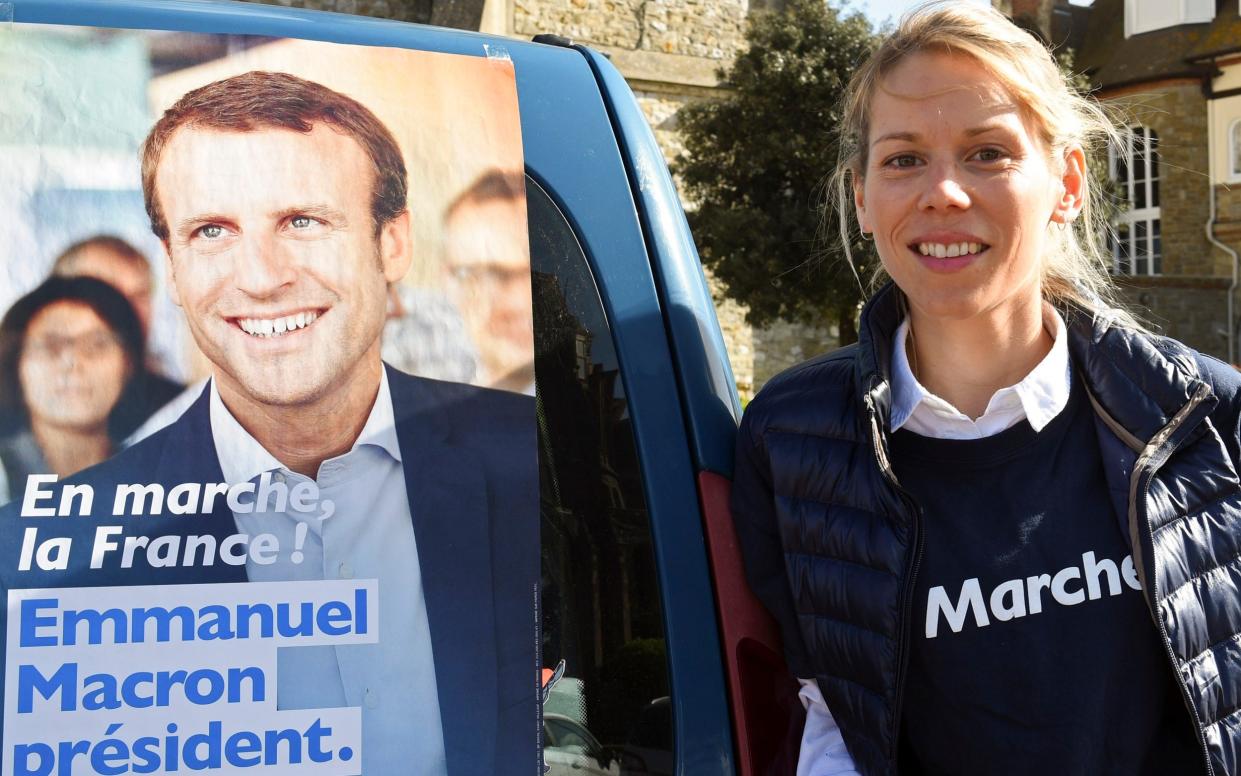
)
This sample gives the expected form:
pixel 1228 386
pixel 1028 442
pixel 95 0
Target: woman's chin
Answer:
pixel 948 305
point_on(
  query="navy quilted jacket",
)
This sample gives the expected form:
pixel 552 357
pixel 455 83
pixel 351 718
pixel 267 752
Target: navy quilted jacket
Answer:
pixel 831 542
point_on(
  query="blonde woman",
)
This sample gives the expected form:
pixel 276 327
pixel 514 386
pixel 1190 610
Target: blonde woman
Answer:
pixel 1001 533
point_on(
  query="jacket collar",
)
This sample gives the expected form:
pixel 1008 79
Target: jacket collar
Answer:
pixel 880 318
pixel 1139 380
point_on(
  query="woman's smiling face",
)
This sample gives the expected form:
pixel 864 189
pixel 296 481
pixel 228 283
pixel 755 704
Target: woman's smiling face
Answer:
pixel 957 188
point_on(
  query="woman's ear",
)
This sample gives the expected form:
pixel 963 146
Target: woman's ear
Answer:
pixel 859 202
pixel 1073 187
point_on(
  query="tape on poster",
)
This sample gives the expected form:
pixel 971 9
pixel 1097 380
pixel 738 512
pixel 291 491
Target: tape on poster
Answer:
pixel 496 53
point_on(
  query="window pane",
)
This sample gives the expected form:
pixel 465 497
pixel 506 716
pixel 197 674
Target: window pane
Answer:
pixel 600 593
pixel 1153 156
pixel 1139 194
pixel 1157 250
pixel 1155 193
pixel 1139 155
pixel 1140 250
pixel 1123 264
pixel 1236 148
pixel 1122 167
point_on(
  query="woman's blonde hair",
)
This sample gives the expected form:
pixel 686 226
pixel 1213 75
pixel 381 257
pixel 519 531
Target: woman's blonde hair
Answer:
pixel 1075 271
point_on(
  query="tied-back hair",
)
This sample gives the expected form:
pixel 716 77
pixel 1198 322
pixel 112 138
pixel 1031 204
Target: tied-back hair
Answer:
pixel 1076 268
pixel 264 100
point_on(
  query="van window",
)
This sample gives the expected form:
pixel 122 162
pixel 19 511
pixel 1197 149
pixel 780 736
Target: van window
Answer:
pixel 600 595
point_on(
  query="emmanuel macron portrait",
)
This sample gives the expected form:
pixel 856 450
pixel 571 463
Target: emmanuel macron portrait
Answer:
pixel 281 205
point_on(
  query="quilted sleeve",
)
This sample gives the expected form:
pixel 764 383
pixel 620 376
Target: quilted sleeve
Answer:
pixel 754 513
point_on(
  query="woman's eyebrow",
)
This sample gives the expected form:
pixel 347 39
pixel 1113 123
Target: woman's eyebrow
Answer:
pixel 910 137
pixel 982 129
pixel 913 137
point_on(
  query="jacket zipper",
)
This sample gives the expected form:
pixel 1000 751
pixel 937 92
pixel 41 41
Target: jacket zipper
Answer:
pixel 915 514
pixel 1143 472
pixel 906 616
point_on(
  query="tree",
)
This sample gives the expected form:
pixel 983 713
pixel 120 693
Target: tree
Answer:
pixel 757 160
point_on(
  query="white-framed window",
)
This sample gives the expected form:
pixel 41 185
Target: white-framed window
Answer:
pixel 1149 15
pixel 1137 245
pixel 1234 151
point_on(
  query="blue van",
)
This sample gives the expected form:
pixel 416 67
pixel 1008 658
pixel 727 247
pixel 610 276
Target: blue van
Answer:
pixel 657 658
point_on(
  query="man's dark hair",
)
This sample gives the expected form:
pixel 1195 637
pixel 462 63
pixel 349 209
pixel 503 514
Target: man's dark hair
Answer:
pixel 111 307
pixel 66 261
pixel 258 100
pixel 494 184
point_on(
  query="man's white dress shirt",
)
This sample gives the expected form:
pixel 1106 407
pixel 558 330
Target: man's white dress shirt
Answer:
pixel 1038 398
pixel 370 535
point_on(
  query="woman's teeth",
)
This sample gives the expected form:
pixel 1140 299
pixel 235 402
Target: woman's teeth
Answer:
pixel 274 327
pixel 950 250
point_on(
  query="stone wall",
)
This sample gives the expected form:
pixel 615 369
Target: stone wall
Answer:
pixel 739 339
pixel 1189 302
pixel 710 29
pixel 1193 310
pixel 1228 214
pixel 1178 113
pixel 783 344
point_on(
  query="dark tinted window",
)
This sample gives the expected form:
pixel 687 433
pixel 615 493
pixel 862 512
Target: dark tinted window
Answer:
pixel 600 596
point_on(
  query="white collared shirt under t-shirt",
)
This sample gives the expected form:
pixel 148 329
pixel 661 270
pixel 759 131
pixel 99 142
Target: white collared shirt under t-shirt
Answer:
pixel 369 535
pixel 1038 398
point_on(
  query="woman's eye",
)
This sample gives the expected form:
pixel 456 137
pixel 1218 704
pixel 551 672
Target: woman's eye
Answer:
pixel 989 155
pixel 902 160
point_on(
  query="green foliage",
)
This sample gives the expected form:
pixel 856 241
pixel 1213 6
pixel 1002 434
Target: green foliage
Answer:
pixel 756 161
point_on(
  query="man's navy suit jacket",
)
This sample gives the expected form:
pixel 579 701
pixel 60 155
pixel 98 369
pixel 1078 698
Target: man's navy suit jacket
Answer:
pixel 471 475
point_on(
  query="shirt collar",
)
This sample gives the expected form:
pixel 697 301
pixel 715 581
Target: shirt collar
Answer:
pixel 242 458
pixel 1038 398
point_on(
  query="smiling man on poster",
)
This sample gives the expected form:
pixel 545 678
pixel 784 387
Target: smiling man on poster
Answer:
pixel 281 205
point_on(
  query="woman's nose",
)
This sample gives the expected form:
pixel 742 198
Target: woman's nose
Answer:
pixel 944 189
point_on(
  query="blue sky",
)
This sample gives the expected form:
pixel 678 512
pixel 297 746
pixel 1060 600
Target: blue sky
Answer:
pixel 880 10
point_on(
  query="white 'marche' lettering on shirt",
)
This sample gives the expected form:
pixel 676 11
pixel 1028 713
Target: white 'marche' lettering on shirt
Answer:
pixel 1021 597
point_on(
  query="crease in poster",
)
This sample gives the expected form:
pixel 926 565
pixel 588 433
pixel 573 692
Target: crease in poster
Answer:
pixel 268 471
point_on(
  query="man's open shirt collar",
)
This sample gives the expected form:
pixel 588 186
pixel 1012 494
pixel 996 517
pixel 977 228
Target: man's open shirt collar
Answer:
pixel 242 458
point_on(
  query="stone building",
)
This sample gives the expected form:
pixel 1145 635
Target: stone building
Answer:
pixel 1173 71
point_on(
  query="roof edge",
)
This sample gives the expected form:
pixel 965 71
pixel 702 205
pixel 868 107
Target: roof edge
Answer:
pixel 1210 55
pixel 1197 75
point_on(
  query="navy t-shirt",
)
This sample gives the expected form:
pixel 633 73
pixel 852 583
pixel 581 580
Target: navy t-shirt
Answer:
pixel 1032 650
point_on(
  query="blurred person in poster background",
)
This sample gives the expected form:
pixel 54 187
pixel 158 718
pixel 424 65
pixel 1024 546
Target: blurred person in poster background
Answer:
pixel 68 352
pixel 124 267
pixel 490 280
